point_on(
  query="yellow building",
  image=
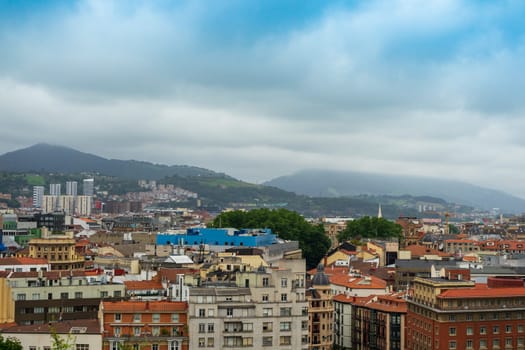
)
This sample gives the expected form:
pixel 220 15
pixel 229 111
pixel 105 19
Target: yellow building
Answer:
pixel 59 250
pixel 320 312
pixel 7 311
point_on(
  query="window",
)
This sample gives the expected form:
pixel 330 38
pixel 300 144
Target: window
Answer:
pixel 136 331
pixel 116 331
pixel 82 347
pixel 495 343
pixel 174 317
pixel 36 296
pixel 39 310
pixel 267 341
pixel 483 343
pixel 451 317
pixel 284 297
pixel 211 328
pixel 469 317
pixel 265 282
pixel 284 282
pixel 211 312
pixel 452 344
pixel 104 294
pixel 452 331
pixel 247 327
pixel 265 298
pixel 202 313
pixel 78 295
pixel 32 348
pixel 285 340
pixel 20 297
pixel 482 330
pixel 267 326
pixel 118 317
pixel 520 328
pixel 286 311
pixel 155 318
pixel 521 341
pixel 267 312
pixel 202 327
pixel 285 326
pixel 173 345
pixel 64 295
pixel 304 325
pixel 116 345
pixel 155 331
pixel 508 328
pixel 211 342
pixel 136 318
pixel 117 294
pixel 508 342
pixel 247 341
pixel 229 312
pixel 470 344
pixel 470 331
pixel 154 346
pixel 202 342
pixel 495 329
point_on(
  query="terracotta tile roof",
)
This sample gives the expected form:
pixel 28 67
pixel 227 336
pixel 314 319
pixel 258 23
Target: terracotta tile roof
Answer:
pixel 23 261
pixel 170 274
pixel 420 250
pixel 143 285
pixel 483 291
pixel 368 282
pixel 144 306
pixel 63 327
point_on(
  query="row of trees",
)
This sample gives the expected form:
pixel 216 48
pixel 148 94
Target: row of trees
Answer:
pixel 286 224
pixel 370 227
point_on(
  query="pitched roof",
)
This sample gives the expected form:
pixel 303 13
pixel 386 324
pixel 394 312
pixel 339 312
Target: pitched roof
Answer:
pixel 143 285
pixel 144 306
pixel 63 327
pixel 23 261
pixel 483 291
pixel 367 282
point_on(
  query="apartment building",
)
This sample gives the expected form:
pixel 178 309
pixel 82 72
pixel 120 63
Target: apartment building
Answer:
pixel 58 250
pixel 457 314
pixel 151 325
pixel 265 308
pixel 42 297
pixel 320 312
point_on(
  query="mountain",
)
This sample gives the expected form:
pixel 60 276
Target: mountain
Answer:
pixel 322 183
pixel 44 157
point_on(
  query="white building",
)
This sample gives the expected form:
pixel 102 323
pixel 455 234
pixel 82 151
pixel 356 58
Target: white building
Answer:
pixel 88 186
pixel 38 194
pixel 71 188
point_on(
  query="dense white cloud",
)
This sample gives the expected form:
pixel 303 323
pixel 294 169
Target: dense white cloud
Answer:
pixel 402 87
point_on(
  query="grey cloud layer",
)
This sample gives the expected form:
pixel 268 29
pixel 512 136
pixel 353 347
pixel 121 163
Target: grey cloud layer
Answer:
pixel 346 91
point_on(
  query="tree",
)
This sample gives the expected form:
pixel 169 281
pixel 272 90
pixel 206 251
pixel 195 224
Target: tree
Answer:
pixel 370 227
pixel 286 224
pixel 10 344
pixel 60 343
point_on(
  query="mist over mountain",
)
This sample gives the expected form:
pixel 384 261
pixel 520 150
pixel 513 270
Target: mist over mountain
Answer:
pixel 324 183
pixel 44 157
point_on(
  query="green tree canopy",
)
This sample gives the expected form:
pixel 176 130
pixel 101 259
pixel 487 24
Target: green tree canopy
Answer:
pixel 10 344
pixel 286 224
pixel 370 227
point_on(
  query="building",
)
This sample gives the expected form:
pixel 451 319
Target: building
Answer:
pixel 80 334
pixel 70 205
pixel 156 325
pixel 38 196
pixel 54 189
pixel 378 322
pixel 88 187
pixel 220 237
pixel 448 313
pixel 320 312
pixel 71 188
pixel 49 296
pixel 266 307
pixel 59 251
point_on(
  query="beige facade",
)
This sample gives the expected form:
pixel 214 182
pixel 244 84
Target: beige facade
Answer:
pixel 60 252
pixel 267 308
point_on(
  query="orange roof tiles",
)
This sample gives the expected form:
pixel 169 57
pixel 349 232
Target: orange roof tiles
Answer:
pixel 483 291
pixel 23 261
pixel 144 306
pixel 143 285
pixel 419 250
pixel 368 282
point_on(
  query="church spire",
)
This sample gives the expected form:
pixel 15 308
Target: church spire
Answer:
pixel 379 212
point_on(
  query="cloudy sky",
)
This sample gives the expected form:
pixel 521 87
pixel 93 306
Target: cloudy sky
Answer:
pixel 259 89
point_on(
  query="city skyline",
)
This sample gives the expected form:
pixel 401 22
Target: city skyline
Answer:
pixel 259 90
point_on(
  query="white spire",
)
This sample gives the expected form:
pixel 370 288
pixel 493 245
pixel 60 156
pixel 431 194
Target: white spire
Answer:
pixel 379 212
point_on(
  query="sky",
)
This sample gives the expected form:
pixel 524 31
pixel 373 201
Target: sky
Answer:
pixel 260 89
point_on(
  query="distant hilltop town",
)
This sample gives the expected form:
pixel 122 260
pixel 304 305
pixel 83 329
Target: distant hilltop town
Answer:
pixel 138 270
